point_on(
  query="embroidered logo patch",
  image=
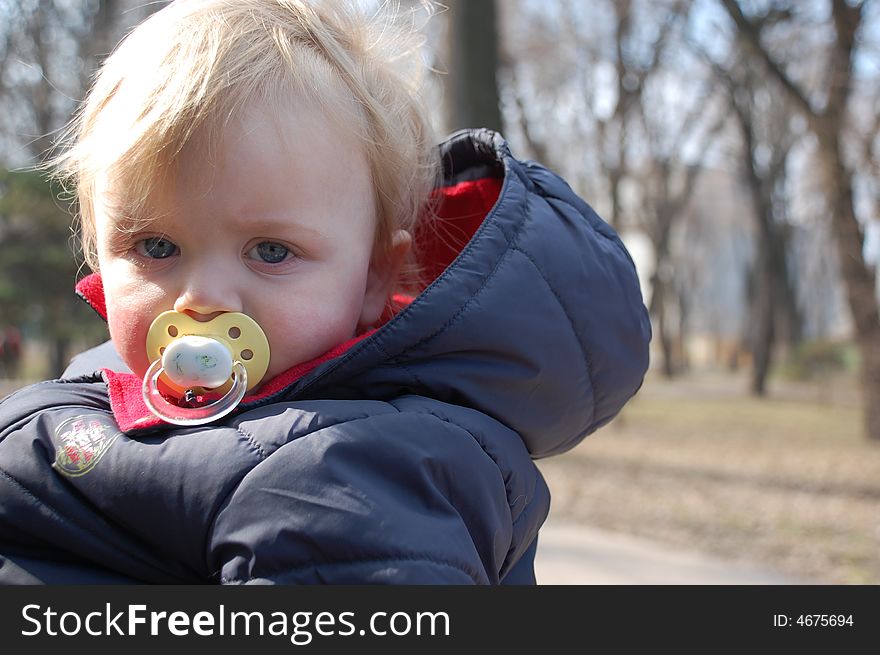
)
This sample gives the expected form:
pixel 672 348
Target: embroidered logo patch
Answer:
pixel 80 443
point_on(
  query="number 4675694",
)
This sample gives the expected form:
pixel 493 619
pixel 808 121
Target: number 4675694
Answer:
pixel 824 620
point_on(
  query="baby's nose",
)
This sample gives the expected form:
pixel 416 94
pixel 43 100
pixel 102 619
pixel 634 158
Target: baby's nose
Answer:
pixel 206 302
pixel 198 316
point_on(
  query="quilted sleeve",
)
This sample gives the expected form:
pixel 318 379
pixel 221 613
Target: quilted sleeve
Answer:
pixel 399 498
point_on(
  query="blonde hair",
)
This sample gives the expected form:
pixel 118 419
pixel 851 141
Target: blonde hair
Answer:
pixel 192 65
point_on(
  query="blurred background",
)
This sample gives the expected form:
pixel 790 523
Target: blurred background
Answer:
pixel 735 146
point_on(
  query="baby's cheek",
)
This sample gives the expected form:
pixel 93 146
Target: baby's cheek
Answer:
pixel 299 337
pixel 129 335
pixel 132 304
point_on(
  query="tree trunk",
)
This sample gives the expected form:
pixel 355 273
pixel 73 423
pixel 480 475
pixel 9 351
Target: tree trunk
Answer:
pixel 472 86
pixel 660 321
pixel 788 315
pixel 763 334
pixel 774 313
pixel 615 176
pixel 858 277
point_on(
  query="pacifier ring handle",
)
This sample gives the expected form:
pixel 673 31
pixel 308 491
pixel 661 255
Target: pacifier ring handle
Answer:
pixel 188 416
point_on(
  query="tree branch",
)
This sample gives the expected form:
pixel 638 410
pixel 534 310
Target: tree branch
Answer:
pixel 752 33
pixel 847 20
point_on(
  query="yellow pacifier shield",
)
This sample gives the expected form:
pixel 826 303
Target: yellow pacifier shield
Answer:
pixel 238 332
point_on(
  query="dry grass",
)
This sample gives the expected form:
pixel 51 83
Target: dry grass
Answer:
pixel 788 482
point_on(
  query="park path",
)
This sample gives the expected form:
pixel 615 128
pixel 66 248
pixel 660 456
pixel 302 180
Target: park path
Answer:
pixel 578 555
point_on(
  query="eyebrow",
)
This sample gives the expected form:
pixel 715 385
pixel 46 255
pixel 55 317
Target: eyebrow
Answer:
pixel 130 223
pixel 269 224
pixel 126 216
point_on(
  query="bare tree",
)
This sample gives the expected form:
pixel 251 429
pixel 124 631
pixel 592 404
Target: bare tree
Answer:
pixel 632 71
pixel 827 118
pixel 634 60
pixel 609 61
pixel 766 136
pixel 666 187
pixel 50 49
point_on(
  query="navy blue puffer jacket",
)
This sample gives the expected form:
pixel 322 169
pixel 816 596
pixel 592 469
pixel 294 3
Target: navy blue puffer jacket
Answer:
pixel 405 457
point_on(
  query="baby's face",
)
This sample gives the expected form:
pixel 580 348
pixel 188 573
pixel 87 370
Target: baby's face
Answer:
pixel 276 221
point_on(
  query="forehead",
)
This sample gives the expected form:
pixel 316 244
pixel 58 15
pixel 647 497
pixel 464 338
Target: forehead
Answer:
pixel 263 138
pixel 263 162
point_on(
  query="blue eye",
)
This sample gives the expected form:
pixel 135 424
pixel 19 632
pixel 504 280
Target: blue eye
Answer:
pixel 156 248
pixel 269 252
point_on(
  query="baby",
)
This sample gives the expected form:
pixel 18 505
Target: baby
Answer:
pixel 407 326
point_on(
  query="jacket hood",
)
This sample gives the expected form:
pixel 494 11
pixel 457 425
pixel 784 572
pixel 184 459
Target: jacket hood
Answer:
pixel 534 315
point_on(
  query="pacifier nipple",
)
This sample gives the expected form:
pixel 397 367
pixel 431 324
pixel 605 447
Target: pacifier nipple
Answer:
pixel 193 361
pixel 196 362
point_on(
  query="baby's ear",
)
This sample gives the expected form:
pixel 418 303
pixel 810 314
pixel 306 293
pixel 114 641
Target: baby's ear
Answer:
pixel 381 278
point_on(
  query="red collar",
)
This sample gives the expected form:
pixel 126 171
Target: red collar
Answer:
pixel 124 389
pixel 131 413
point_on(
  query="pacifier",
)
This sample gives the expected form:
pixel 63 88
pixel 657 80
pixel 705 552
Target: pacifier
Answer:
pixel 198 361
